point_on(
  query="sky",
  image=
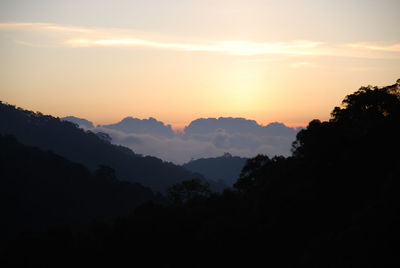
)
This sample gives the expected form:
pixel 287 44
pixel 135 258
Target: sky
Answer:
pixel 175 60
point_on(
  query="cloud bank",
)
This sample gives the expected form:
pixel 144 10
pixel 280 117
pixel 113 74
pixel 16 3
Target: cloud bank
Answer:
pixel 202 138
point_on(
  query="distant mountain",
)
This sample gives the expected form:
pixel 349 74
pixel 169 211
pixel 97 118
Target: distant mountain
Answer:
pixel 83 123
pixel 225 168
pixel 85 147
pixel 279 129
pixel 40 189
pixel 230 124
pixel 142 126
pixel 237 125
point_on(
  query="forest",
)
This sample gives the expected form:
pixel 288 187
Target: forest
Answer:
pixel 333 203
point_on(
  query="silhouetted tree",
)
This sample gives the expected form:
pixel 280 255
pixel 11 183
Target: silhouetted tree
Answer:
pixel 105 173
pixel 250 172
pixel 187 190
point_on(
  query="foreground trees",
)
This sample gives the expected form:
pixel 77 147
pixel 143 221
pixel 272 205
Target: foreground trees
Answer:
pixel 338 193
pixel 188 190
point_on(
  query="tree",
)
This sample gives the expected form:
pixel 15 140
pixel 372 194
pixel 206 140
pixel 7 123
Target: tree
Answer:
pixel 187 190
pixel 366 124
pixel 105 173
pixel 250 172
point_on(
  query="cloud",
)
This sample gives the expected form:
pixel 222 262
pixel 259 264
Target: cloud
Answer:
pixel 232 47
pixel 203 137
pixel 175 149
pixel 301 64
pixel 180 149
pixel 71 36
pixel 209 140
pixel 37 26
pixel 142 126
pixel 28 44
pixel 387 48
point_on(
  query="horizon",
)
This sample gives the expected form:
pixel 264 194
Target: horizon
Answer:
pixel 183 60
pixel 175 127
pixel 178 128
pixel 202 138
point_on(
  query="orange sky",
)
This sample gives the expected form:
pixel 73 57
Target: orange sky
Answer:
pixel 182 61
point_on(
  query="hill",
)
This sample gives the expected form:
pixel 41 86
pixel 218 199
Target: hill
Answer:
pixel 225 168
pixel 81 122
pixel 70 141
pixel 40 189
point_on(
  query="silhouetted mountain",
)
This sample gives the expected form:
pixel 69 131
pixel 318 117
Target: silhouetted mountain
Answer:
pixel 209 125
pixel 237 125
pixel 279 129
pixel 41 189
pixel 226 168
pixel 81 122
pixel 142 126
pixel 85 147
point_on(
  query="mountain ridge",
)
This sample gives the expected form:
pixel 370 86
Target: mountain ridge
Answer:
pixel 85 147
pixel 225 168
pixel 40 189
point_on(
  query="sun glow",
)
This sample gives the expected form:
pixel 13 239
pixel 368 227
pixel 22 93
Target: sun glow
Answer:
pixel 246 59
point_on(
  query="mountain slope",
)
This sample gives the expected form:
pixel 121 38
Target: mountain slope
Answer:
pixel 226 168
pixel 85 147
pixel 81 122
pixel 40 189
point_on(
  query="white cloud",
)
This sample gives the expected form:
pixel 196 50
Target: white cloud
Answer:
pixel 37 26
pixel 180 149
pixel 387 48
pixel 71 36
pixel 232 47
pixel 301 64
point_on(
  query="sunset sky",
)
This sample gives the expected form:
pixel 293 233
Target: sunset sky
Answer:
pixel 286 61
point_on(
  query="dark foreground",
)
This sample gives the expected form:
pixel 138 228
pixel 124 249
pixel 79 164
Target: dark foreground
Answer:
pixel 334 203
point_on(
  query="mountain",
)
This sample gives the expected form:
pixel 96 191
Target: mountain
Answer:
pixel 83 123
pixel 237 125
pixel 279 129
pixel 85 147
pixel 230 124
pixel 142 126
pixel 225 168
pixel 40 189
